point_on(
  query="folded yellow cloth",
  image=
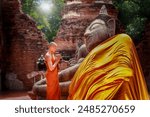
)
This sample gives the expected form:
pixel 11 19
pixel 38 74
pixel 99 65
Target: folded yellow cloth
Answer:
pixel 111 71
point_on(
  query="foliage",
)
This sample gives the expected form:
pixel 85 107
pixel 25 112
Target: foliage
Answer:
pixel 48 21
pixel 133 14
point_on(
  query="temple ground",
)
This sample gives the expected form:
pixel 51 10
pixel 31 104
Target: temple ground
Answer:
pixel 14 96
pixel 17 96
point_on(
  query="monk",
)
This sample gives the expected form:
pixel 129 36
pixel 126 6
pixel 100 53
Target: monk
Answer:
pixel 53 90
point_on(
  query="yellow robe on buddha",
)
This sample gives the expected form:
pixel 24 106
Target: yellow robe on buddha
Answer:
pixel 111 71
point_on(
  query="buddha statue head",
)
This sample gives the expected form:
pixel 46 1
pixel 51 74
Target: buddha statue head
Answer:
pixel 100 29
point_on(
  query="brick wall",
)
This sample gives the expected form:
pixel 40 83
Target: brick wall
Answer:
pixel 24 43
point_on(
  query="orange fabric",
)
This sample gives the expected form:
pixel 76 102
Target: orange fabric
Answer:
pixel 53 90
pixel 110 71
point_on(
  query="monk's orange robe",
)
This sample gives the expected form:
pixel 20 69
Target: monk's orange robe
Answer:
pixel 111 71
pixel 53 89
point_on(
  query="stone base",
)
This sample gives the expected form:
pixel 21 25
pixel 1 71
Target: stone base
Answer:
pixel 12 83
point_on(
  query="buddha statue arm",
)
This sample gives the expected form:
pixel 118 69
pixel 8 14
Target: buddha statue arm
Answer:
pixel 39 88
pixel 67 74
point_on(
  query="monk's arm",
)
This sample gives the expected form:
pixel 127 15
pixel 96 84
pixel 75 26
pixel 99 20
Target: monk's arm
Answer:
pixel 52 66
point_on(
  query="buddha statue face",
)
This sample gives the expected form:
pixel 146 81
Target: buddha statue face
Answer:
pixel 100 29
pixel 95 33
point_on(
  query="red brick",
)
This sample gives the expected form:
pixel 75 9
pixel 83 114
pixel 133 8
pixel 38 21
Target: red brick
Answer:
pixel 25 42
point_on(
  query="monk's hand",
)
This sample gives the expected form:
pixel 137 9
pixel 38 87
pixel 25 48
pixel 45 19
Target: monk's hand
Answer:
pixel 58 57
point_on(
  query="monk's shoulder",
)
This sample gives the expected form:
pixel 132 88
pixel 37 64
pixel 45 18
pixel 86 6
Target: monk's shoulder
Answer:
pixel 47 56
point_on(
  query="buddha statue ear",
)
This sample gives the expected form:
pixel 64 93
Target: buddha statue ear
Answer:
pixel 111 23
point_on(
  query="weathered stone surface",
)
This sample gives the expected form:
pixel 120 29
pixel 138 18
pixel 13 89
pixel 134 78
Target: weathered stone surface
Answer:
pixel 23 42
pixel 13 83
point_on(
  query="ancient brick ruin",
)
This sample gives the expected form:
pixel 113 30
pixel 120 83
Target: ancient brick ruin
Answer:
pixel 21 44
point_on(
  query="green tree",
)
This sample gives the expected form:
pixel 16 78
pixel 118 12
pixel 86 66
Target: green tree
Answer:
pixel 133 14
pixel 48 21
